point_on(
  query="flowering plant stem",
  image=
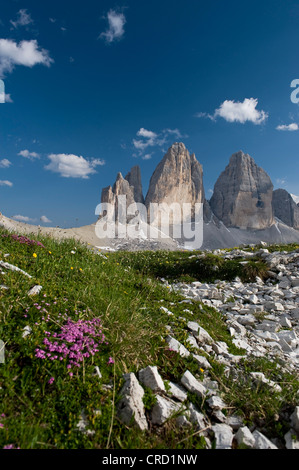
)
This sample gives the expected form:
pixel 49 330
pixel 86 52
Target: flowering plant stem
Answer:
pixel 113 408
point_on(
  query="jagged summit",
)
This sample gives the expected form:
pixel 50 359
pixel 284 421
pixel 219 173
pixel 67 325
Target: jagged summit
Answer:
pixel 177 178
pixel 242 194
pixel 285 208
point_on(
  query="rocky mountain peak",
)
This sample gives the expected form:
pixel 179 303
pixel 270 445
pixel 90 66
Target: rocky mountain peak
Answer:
pixel 177 178
pixel 243 194
pixel 285 208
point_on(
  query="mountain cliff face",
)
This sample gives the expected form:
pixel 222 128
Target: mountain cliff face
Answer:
pixel 177 178
pixel 121 187
pixel 134 180
pixel 242 195
pixel 285 208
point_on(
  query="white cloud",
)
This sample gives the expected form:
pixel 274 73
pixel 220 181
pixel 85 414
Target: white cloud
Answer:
pixel 147 134
pixel 29 155
pixel 26 53
pixel 52 20
pixel 152 139
pixel 289 127
pixel 23 19
pixel 295 198
pixel 4 163
pixel 8 98
pixel 6 183
pixel 237 111
pixel 281 181
pixel 205 115
pixel 241 112
pixel 174 132
pixel 72 166
pixel 5 97
pixel 22 218
pixel 45 219
pixel 116 23
pixel 148 156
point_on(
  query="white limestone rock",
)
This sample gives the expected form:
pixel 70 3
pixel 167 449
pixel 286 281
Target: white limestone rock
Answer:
pixel 131 408
pixel 295 419
pixel 35 290
pixel 163 409
pixel 177 346
pixel 244 437
pixel 200 333
pixel 216 403
pixel 291 440
pixel 193 385
pixel 151 378
pixel 176 391
pixel 262 442
pixel 202 361
pixel 223 436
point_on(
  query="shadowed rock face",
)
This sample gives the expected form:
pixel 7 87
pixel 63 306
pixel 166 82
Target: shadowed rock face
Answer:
pixel 285 208
pixel 121 187
pixel 178 178
pixel 134 179
pixel 243 195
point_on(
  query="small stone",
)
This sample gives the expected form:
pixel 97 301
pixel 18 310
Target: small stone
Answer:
pixel 163 410
pixel 192 341
pixel 202 361
pixel 131 408
pixel 220 347
pixel 35 290
pixel 193 385
pixel 244 437
pixel 200 333
pixel 177 346
pixel 234 422
pixel 27 330
pixel 151 378
pixel 176 391
pixel 291 440
pixel 262 442
pixel 197 418
pixel 182 421
pixel 295 419
pixel 216 403
pixel 223 436
pixel 219 416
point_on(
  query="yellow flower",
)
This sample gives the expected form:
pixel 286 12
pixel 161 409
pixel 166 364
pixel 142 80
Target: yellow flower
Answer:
pixel 50 252
pixel 80 269
pixel 72 267
pixel 201 370
pixel 34 255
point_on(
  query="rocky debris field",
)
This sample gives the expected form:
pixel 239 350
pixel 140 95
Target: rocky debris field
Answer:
pixel 263 317
pixel 263 321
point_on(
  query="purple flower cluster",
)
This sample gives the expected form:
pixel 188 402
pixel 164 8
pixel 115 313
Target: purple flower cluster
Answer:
pixel 24 240
pixel 76 341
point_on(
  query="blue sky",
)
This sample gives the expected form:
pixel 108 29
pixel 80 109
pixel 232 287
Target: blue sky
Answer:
pixel 95 87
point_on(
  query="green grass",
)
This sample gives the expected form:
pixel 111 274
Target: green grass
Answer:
pixel 124 290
